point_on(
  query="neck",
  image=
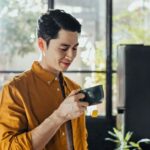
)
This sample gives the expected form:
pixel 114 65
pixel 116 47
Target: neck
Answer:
pixel 47 68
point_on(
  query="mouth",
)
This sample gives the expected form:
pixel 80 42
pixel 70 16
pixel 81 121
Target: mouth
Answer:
pixel 66 64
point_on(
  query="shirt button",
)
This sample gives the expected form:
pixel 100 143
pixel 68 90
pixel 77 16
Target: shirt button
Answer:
pixel 48 82
pixel 63 133
pixel 58 89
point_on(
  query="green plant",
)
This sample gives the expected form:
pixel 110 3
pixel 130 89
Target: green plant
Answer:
pixel 123 141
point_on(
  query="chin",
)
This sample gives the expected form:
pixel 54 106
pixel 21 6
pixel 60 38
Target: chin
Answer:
pixel 63 69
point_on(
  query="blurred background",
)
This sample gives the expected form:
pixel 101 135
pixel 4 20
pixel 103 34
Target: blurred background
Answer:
pixel 105 25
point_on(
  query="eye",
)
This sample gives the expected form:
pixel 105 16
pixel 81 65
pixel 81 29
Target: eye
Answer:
pixel 63 48
pixel 75 48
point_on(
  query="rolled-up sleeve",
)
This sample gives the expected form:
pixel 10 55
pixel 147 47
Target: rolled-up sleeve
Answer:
pixel 14 132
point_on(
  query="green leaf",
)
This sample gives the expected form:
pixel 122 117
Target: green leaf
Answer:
pixel 111 133
pixel 144 141
pixel 134 144
pixel 128 136
pixel 123 148
pixel 118 134
pixel 112 140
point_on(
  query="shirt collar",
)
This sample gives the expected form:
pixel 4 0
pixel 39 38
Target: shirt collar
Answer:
pixel 42 73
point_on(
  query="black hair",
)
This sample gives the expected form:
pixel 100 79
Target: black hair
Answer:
pixel 51 22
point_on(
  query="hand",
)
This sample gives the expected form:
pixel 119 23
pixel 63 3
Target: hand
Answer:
pixel 71 107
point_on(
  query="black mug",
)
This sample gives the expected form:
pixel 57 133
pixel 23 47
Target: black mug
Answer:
pixel 93 95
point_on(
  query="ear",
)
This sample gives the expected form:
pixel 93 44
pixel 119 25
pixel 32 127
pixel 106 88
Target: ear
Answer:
pixel 42 44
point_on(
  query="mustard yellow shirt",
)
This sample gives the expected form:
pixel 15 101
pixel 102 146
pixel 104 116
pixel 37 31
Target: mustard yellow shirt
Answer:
pixel 26 101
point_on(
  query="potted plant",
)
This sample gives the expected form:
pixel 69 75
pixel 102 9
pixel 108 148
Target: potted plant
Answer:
pixel 124 141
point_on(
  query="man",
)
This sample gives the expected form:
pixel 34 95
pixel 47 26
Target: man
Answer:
pixel 41 108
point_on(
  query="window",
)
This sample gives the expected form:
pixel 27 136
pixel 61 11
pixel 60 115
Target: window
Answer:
pixel 91 53
pixel 18 21
pixel 130 26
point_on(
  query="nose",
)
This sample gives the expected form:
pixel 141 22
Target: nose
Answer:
pixel 71 54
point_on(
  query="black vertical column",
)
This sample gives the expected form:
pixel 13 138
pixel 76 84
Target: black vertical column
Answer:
pixel 50 4
pixel 109 59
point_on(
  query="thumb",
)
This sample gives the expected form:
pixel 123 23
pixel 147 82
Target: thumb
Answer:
pixel 73 92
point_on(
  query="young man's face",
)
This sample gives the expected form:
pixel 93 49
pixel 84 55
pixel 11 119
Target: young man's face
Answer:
pixel 61 51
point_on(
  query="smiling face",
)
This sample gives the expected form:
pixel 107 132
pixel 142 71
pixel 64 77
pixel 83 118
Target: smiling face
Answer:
pixel 60 52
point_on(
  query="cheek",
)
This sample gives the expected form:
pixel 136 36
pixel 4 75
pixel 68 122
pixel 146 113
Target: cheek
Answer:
pixel 75 54
pixel 50 57
pixel 61 55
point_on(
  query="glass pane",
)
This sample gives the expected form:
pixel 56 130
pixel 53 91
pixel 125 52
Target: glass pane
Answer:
pixel 92 42
pixel 130 26
pixel 114 93
pixel 5 78
pixel 18 20
pixel 91 52
pixel 130 23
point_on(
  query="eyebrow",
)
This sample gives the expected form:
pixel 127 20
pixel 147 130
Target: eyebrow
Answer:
pixel 63 44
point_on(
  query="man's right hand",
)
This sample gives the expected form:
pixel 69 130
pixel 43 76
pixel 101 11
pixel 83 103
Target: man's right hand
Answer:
pixel 71 107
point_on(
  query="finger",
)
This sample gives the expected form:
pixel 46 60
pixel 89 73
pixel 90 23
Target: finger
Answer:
pixel 74 92
pixel 79 96
pixel 82 110
pixel 83 104
pixel 79 108
pixel 68 116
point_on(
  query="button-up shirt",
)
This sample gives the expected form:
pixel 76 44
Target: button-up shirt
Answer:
pixel 26 101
